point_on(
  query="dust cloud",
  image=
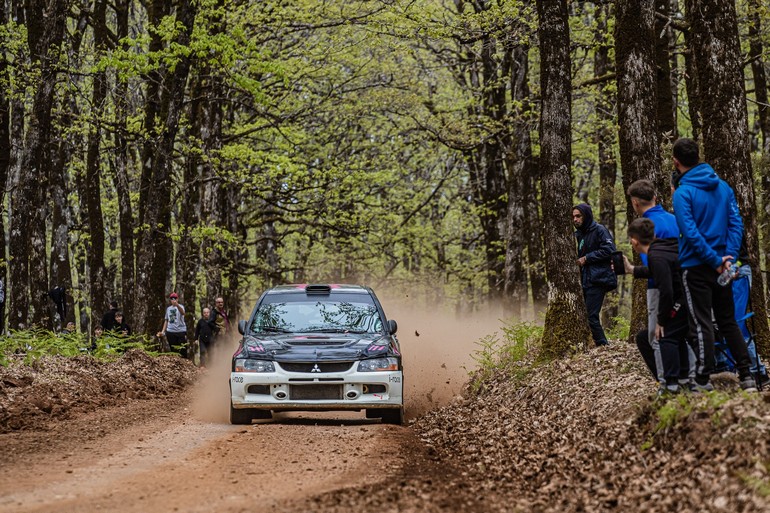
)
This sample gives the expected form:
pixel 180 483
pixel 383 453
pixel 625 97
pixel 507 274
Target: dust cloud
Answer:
pixel 436 345
pixel 212 391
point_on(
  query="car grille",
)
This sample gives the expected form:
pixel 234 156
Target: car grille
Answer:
pixel 305 392
pixel 316 367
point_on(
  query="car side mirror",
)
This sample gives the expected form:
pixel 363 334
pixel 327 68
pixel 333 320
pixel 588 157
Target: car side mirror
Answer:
pixel 242 327
pixel 392 326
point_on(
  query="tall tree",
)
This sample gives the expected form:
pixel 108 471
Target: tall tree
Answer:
pixel 717 52
pixel 97 273
pixel 637 114
pixel 45 32
pixel 153 255
pixel 565 301
pixel 5 159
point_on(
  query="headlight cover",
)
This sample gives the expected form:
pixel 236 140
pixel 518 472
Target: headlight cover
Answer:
pixel 378 364
pixel 249 365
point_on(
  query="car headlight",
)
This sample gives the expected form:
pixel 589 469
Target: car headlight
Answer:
pixel 248 365
pixel 378 364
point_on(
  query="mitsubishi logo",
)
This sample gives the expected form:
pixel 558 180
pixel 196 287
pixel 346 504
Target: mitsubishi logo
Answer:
pixel 315 368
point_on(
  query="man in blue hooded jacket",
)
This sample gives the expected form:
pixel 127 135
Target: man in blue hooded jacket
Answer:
pixel 711 229
pixel 595 247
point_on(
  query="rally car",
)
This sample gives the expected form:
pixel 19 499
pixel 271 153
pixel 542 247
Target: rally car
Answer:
pixel 317 347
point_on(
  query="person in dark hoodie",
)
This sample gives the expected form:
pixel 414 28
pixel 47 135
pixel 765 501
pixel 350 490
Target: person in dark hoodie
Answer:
pixel 671 320
pixel 711 230
pixel 594 249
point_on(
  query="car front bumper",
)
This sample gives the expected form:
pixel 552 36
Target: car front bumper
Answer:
pixel 285 391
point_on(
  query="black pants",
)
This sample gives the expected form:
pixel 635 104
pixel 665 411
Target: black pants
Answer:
pixel 673 349
pixel 178 342
pixel 594 298
pixel 703 294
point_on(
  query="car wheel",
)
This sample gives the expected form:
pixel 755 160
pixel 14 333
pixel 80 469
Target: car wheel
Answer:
pixel 240 416
pixel 261 414
pixel 393 416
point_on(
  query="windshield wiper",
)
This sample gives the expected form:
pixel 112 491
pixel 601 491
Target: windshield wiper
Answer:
pixel 336 330
pixel 272 329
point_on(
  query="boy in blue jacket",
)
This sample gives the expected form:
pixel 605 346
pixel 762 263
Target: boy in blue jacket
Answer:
pixel 711 230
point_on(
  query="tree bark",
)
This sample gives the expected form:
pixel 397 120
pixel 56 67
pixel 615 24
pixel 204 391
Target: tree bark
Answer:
pixel 5 165
pixel 719 62
pixel 125 210
pixel 518 157
pixel 93 196
pixel 45 32
pixel 637 116
pixel 153 255
pixel 566 327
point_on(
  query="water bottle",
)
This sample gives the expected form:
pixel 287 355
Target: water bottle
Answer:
pixel 727 275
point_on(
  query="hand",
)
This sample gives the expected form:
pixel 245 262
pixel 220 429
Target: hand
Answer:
pixel 659 332
pixel 160 334
pixel 726 263
pixel 581 261
pixel 627 265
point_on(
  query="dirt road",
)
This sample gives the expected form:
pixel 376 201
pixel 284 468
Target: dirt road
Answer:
pixel 179 453
pixel 146 457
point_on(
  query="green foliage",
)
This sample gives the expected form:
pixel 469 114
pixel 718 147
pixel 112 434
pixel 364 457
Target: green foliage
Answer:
pixel 504 352
pixel 34 343
pixel 620 328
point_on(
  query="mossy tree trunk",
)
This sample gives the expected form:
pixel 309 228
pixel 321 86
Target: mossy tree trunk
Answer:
pixel 637 115
pixel 718 59
pixel 566 327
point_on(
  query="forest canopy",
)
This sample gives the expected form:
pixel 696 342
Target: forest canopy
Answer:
pixel 218 147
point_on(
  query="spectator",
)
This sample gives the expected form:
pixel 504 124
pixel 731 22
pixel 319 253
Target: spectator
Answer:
pixel 98 332
pixel 174 327
pixel 644 203
pixel 220 318
pixel 711 231
pixel 594 247
pixel 671 323
pixel 70 328
pixel 204 334
pixel 108 319
pixel 119 326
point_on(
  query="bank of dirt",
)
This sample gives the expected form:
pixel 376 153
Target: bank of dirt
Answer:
pixel 150 434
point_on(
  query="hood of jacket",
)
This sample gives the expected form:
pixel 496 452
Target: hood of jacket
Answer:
pixel 701 177
pixel 588 216
pixel 668 247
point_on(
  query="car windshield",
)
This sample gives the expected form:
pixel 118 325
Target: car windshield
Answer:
pixel 314 316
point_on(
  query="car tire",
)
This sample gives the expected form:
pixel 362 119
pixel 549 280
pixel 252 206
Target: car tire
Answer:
pixel 261 414
pixel 392 416
pixel 240 416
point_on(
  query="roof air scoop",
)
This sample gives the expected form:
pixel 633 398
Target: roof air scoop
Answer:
pixel 318 289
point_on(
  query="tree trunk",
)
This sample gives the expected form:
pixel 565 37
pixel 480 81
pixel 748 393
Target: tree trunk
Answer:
pixel 5 165
pixel 637 116
pixel 692 85
pixel 605 139
pixel 566 326
pixel 519 155
pixel 725 126
pixel 153 255
pixel 97 274
pixel 535 251
pixel 45 32
pixel 125 211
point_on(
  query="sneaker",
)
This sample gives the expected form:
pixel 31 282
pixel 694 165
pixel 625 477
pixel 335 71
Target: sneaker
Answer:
pixel 748 384
pixel 697 388
pixel 668 390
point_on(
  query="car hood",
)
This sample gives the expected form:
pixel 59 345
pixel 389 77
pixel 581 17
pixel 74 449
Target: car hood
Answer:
pixel 316 347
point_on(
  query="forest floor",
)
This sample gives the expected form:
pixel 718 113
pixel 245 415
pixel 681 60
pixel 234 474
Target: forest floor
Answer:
pixel 583 434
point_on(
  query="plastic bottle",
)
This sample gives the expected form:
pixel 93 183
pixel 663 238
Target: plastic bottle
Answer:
pixel 727 275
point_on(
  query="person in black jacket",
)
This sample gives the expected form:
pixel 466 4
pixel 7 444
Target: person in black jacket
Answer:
pixel 108 319
pixel 204 334
pixel 672 322
pixel 594 248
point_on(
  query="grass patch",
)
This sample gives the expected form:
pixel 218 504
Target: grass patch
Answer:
pixel 504 351
pixel 30 345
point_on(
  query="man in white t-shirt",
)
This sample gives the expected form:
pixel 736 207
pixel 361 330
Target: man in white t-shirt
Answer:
pixel 174 327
